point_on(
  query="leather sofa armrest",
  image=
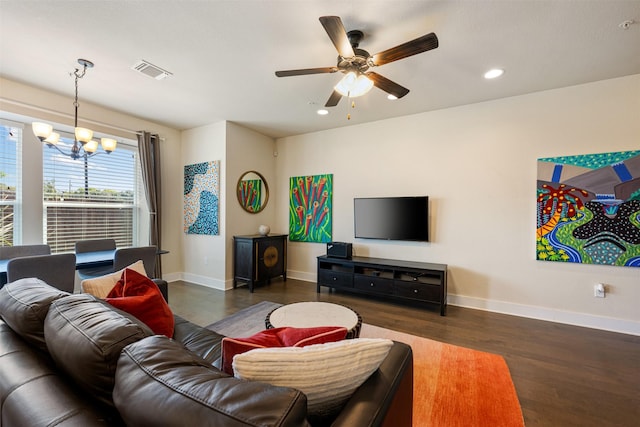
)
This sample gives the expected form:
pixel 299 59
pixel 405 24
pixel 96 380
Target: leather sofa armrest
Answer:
pixel 164 288
pixel 386 398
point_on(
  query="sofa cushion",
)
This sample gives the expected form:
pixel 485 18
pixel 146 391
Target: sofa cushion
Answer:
pixel 101 286
pixel 201 341
pixel 159 382
pixel 85 337
pixel 279 337
pixel 138 295
pixel 327 374
pixel 24 304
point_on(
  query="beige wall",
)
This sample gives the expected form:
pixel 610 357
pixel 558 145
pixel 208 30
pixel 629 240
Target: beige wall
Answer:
pixel 477 163
pixel 208 260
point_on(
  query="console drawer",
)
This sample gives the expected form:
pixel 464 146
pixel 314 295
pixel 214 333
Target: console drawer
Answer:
pixel 335 278
pixel 378 285
pixel 418 291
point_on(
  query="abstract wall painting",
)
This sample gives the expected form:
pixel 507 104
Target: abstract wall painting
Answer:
pixel 201 198
pixel 588 209
pixel 250 194
pixel 310 208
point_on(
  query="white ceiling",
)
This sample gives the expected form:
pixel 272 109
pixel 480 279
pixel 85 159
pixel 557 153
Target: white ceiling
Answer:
pixel 223 54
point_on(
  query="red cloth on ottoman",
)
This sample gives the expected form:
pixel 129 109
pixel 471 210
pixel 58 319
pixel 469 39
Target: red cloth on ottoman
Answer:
pixel 279 337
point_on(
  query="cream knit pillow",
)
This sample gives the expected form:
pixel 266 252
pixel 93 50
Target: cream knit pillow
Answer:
pixel 100 287
pixel 327 374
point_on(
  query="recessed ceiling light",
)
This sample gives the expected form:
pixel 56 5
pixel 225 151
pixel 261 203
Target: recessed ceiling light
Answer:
pixel 493 73
pixel 391 97
pixel 322 112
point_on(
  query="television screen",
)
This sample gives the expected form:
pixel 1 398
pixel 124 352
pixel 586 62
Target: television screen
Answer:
pixel 392 218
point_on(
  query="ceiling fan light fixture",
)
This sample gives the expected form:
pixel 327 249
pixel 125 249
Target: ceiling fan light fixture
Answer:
pixel 322 112
pixel 353 85
pixel 392 97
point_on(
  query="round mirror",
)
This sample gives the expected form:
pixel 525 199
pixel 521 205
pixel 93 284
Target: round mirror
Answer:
pixel 253 192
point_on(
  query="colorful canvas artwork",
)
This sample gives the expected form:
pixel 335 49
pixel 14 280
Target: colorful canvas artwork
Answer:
pixel 588 209
pixel 201 198
pixel 310 204
pixel 250 194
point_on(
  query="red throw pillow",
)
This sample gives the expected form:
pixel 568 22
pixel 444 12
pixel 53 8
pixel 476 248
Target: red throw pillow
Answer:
pixel 279 337
pixel 139 296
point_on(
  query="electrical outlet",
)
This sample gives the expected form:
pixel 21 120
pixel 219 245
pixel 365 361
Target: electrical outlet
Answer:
pixel 599 290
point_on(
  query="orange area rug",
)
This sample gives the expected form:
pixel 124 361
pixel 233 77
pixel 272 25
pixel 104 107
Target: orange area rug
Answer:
pixel 456 386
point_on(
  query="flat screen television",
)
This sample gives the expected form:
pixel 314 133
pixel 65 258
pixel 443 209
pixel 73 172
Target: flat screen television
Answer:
pixel 392 218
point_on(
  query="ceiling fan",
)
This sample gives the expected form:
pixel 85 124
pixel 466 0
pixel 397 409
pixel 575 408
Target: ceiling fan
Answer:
pixel 355 62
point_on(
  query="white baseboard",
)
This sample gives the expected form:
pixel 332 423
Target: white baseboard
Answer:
pixel 533 312
pixel 301 275
pixel 209 282
pixel 542 313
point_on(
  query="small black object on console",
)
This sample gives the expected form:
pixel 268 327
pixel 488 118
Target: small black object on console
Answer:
pixel 339 250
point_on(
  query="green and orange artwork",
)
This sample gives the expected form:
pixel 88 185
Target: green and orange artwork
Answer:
pixel 310 204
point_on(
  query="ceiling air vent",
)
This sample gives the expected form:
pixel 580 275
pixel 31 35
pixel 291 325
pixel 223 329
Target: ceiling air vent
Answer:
pixel 150 70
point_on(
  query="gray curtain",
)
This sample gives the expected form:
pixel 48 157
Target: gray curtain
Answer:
pixel 149 149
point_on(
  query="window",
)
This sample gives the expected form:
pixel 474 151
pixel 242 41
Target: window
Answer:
pixel 94 198
pixel 10 174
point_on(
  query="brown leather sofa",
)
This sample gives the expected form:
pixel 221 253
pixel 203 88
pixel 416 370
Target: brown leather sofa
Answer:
pixel 73 360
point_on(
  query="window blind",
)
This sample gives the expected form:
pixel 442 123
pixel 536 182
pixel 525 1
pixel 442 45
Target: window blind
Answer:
pixel 92 198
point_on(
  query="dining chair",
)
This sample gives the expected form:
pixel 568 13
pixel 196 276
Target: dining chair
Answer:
pixel 127 256
pixel 95 245
pixel 8 252
pixel 58 270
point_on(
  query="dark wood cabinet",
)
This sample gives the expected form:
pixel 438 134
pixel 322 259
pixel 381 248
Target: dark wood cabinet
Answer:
pixel 257 259
pixel 402 280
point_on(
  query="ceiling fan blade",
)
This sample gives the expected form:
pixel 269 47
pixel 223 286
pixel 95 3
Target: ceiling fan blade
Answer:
pixel 333 99
pixel 413 47
pixel 304 71
pixel 387 85
pixel 334 28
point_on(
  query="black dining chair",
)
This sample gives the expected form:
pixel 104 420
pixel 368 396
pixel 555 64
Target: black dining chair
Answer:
pixel 127 256
pixel 9 252
pixel 95 245
pixel 57 270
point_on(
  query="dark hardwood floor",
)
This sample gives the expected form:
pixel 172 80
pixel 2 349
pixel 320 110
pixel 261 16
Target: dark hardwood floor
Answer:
pixel 564 375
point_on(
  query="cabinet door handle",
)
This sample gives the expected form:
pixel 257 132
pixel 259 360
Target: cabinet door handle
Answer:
pixel 372 284
pixel 415 291
pixel 335 278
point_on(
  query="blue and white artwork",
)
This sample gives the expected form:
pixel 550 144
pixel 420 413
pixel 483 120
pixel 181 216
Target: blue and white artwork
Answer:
pixel 201 195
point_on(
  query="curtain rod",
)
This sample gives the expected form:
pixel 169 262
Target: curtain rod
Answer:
pixel 69 116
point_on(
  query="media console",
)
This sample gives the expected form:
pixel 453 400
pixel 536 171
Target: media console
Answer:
pixel 401 280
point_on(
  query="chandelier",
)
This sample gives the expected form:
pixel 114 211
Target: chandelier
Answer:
pixel 84 146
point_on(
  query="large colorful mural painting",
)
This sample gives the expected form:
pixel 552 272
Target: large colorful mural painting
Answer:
pixel 588 209
pixel 310 204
